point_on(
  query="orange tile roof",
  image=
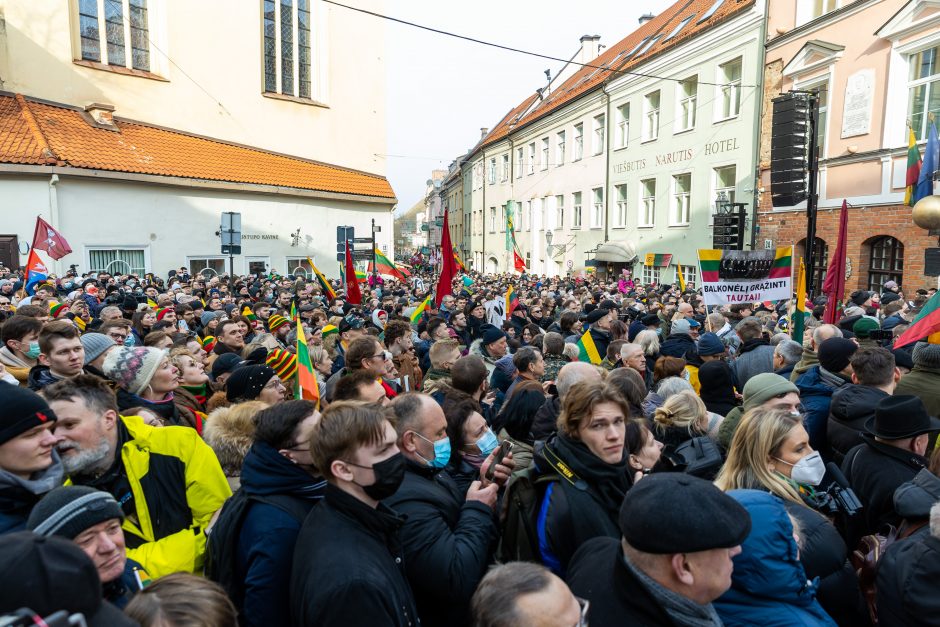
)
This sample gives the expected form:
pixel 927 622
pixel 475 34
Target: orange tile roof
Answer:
pixel 617 58
pixel 43 133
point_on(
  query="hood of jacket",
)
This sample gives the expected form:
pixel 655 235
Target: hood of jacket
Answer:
pixel 230 432
pixel 477 349
pixel 266 472
pixel 915 498
pixel 767 565
pixel 19 495
pixel 854 403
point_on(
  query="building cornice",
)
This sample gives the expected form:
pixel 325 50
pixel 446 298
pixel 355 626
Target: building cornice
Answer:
pixel 823 20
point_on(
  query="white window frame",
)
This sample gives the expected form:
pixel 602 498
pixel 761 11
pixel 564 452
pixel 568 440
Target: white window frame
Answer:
pixel 578 142
pixel 520 155
pixel 822 83
pixel 680 205
pixel 206 258
pixel 526 216
pixel 316 72
pixel 931 82
pixel 491 171
pixel 576 210
pixel 600 134
pixel 155 35
pixel 560 148
pixel 545 153
pixel 560 211
pixel 530 168
pixel 689 273
pixel 729 91
pixel 651 115
pixel 650 274
pixel 686 104
pixel 623 126
pixel 86 253
pixel 292 263
pixel 504 175
pixel 621 191
pixel 492 219
pixel 597 207
pixel 646 215
pixel 717 188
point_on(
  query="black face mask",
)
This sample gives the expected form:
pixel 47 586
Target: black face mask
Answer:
pixel 388 477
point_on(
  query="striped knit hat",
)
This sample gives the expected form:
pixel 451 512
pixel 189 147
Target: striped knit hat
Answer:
pixel 162 311
pixel 329 329
pixel 55 309
pixel 283 362
pixel 208 343
pixel 69 510
pixel 276 321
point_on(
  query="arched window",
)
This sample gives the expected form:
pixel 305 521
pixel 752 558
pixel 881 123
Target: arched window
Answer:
pixel 886 262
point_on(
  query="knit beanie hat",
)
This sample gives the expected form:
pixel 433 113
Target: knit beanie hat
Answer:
pixel 710 344
pixel 95 344
pixel 23 410
pixel 492 334
pixel 926 355
pixel 163 311
pixel 864 326
pixel 859 297
pixel 852 311
pixel 55 309
pixel 283 362
pixel 680 327
pixel 225 363
pixel 246 383
pixel 764 386
pixel 275 322
pixel 834 354
pixel 133 367
pixel 69 510
pixel 207 317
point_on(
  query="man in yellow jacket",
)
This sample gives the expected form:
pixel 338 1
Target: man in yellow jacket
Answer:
pixel 167 480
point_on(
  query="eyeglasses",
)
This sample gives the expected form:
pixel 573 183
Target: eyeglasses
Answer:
pixel 382 355
pixel 585 605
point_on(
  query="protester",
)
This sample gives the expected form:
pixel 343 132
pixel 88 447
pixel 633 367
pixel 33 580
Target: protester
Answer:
pixel 923 381
pixel 20 351
pixel 755 355
pixel 681 418
pixel 182 599
pixel 29 463
pixel 230 431
pixel 92 520
pixel 669 559
pixel 354 448
pixel 61 355
pixel 766 390
pixel 907 577
pixel 820 382
pixel 768 583
pixel 167 479
pixel 717 383
pixel 809 359
pixel 522 594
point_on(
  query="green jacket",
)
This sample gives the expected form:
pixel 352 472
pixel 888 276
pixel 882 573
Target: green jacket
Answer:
pixel 808 360
pixel 923 383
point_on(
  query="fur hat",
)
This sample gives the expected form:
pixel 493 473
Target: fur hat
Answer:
pixel 132 367
pixel 230 432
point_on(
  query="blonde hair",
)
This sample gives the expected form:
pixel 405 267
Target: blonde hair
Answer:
pixel 756 441
pixel 317 354
pixel 683 410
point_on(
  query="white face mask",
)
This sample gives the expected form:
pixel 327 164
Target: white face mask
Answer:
pixel 809 470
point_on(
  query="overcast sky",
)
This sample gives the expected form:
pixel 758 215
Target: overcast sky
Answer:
pixel 442 90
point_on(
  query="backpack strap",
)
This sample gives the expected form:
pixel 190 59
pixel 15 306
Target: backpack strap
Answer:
pixel 563 470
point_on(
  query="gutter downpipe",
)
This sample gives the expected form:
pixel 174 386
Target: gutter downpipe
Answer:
pixel 483 245
pixel 607 138
pixel 762 67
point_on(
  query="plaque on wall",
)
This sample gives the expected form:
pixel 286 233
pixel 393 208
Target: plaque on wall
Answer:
pixel 856 108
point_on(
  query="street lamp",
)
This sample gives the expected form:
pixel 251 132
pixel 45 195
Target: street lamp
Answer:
pixel 722 206
pixel 549 236
pixel 926 212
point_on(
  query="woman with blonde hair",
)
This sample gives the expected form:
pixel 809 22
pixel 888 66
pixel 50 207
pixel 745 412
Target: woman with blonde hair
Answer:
pixel 680 418
pixel 322 366
pixel 770 451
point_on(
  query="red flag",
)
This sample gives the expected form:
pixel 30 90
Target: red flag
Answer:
pixel 48 239
pixel 834 286
pixel 445 284
pixel 518 262
pixel 353 295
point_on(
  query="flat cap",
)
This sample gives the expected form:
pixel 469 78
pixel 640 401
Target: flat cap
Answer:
pixel 677 513
pixel 596 315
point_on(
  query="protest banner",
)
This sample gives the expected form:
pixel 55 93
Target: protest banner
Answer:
pixel 746 276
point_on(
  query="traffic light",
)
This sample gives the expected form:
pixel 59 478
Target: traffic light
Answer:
pixel 790 141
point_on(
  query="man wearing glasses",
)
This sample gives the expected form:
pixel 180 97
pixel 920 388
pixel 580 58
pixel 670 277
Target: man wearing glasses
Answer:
pixel 365 354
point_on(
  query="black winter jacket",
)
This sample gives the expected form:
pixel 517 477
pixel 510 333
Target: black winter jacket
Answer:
pixel 448 543
pixel 850 409
pixel 876 471
pixel 913 500
pixel 349 567
pixel 825 555
pixel 546 419
pixel 677 345
pixel 598 573
pixel 907 583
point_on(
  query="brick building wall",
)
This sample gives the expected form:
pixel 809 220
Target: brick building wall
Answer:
pixel 866 225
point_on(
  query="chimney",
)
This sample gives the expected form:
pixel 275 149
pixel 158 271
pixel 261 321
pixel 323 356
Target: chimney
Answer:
pixel 590 48
pixel 646 17
pixel 102 114
pixel 483 132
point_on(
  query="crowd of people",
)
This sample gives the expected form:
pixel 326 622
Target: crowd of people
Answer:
pixel 462 461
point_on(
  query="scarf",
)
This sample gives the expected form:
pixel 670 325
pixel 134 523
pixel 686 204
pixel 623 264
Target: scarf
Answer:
pixel 200 392
pixel 681 610
pixel 832 379
pixel 433 374
pixel 607 481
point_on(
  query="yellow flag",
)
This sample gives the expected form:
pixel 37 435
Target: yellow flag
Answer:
pixel 680 276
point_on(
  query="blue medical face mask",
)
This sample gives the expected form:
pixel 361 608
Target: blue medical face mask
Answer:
pixel 129 340
pixel 487 442
pixel 33 351
pixel 441 452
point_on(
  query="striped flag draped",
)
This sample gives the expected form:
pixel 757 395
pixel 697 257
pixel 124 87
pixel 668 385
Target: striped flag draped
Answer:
pixel 307 387
pixel 587 350
pixel 913 168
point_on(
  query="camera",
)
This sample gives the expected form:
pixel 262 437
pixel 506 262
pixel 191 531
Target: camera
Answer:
pixel 881 335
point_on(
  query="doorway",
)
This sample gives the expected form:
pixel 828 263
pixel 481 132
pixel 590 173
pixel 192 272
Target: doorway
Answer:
pixel 257 265
pixel 10 251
